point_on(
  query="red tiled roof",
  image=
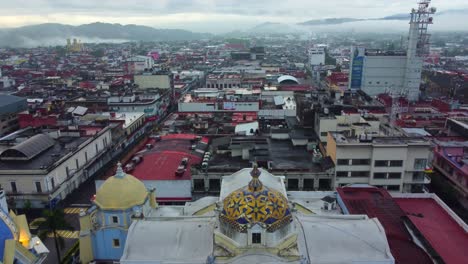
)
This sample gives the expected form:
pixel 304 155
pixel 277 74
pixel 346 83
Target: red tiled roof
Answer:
pixel 378 203
pixel 440 230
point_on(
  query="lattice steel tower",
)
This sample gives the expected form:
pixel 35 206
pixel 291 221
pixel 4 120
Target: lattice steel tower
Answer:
pixel 418 47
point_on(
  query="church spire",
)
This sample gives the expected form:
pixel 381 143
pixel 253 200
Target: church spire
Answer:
pixel 120 173
pixel 255 184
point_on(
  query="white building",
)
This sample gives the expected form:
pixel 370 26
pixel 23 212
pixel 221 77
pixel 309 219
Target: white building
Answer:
pixel 395 163
pixel 317 56
pixel 375 71
pixel 138 64
pixel 48 167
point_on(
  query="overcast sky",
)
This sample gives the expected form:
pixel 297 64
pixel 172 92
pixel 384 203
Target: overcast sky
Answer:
pixel 200 15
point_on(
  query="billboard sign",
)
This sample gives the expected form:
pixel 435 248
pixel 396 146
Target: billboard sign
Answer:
pixel 357 68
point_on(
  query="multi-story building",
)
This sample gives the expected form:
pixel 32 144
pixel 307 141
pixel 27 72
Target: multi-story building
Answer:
pixel 223 81
pixel 395 163
pixel 451 160
pixel 351 124
pixel 209 100
pixel 10 106
pixel 138 64
pixel 152 104
pixel 44 168
pixel 376 71
pixel 317 56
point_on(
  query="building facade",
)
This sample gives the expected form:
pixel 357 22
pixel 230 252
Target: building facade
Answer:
pixel 395 163
pixel 52 166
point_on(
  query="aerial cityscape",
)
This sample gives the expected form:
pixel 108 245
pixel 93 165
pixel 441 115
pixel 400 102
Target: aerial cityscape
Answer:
pixel 279 135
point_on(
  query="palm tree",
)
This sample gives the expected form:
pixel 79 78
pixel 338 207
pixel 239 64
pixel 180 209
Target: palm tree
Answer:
pixel 54 220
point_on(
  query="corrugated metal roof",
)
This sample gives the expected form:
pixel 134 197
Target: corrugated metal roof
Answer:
pixel 29 148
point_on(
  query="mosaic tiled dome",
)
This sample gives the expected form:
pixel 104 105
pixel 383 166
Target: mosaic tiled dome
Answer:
pixel 256 204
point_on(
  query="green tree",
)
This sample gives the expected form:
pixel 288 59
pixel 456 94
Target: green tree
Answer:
pixel 54 220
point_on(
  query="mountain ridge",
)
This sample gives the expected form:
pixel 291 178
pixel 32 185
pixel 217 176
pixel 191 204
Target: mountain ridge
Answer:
pixel 47 33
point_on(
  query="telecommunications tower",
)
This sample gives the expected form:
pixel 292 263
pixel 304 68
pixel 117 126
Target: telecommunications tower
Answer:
pixel 418 47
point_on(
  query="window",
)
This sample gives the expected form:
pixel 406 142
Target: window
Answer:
pixel 256 238
pixel 420 164
pixel 341 174
pixel 77 164
pixel 52 182
pixel 380 175
pixel 323 134
pixel 115 219
pixel 13 187
pixel 360 161
pixel 418 176
pixel 394 175
pixel 393 187
pixel 359 174
pixel 396 163
pixel 343 161
pixel 116 243
pixel 38 187
pixel 381 163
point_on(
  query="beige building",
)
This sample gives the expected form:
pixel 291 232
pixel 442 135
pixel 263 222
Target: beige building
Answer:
pixel 351 124
pixel 394 163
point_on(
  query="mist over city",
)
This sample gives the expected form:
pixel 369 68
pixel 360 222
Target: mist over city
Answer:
pixel 233 132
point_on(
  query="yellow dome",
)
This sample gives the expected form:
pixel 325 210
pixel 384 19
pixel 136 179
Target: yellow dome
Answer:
pixel 256 204
pixel 120 192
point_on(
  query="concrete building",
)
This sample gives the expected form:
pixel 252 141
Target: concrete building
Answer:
pixel 156 80
pixel 395 163
pixel 302 170
pixel 138 64
pixel 223 81
pixel 317 56
pixel 350 124
pixel 209 100
pixel 10 106
pixel 43 169
pixel 376 71
pixel 154 105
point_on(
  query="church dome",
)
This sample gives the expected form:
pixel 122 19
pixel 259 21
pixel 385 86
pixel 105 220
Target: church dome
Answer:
pixel 256 204
pixel 120 192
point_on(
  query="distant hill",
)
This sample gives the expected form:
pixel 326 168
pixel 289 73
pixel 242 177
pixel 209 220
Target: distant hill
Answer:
pixel 337 21
pixel 329 21
pixel 53 34
pixel 272 28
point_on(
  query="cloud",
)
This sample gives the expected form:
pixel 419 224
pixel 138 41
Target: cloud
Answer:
pixel 199 13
